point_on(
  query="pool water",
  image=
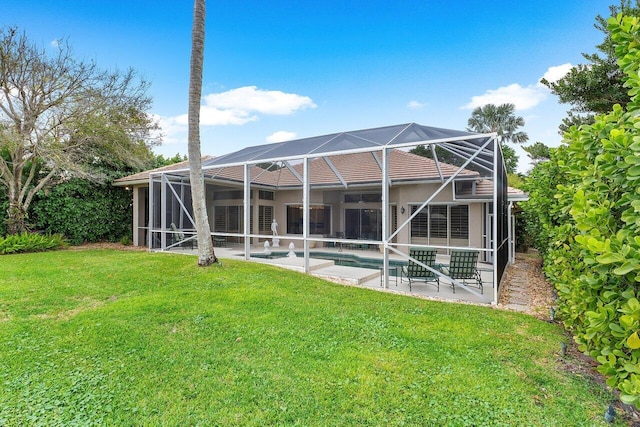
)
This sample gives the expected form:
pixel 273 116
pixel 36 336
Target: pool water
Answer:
pixel 348 260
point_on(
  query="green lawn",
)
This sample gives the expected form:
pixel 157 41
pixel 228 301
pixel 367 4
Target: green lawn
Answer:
pixel 103 337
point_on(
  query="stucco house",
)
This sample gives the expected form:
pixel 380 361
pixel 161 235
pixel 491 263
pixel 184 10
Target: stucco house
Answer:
pixel 330 189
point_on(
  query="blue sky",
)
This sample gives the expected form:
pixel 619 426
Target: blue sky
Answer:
pixel 284 69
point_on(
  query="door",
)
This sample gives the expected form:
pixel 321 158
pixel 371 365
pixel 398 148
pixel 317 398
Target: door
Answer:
pixel 488 231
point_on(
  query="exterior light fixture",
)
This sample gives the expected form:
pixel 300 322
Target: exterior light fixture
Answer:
pixel 401 209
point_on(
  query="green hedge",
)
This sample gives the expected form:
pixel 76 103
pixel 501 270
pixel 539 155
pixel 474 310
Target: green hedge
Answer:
pixel 84 211
pixel 585 206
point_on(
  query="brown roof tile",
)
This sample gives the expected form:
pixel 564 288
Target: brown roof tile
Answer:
pixel 355 168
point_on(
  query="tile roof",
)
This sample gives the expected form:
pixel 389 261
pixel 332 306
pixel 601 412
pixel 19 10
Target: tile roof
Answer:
pixel 355 168
pixel 142 177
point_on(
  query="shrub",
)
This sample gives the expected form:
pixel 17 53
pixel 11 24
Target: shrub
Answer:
pixel 30 242
pixel 589 228
pixel 84 211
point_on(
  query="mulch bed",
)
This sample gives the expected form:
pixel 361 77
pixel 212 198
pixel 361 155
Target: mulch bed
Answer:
pixel 107 245
pixel 539 293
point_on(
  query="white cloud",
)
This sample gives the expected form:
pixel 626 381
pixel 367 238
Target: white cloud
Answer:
pixel 237 107
pixel 54 43
pixel 557 72
pixel 281 135
pixel 415 105
pixel 522 97
pixel 251 99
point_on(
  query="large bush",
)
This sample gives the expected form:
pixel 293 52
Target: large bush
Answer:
pixel 84 211
pixel 30 242
pixel 585 203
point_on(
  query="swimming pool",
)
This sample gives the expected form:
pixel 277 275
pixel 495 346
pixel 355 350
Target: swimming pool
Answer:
pixel 345 259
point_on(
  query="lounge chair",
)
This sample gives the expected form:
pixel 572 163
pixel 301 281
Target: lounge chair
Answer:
pixel 463 267
pixel 414 271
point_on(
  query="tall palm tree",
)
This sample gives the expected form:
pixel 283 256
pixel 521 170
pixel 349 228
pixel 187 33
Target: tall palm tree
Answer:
pixel 206 255
pixel 500 119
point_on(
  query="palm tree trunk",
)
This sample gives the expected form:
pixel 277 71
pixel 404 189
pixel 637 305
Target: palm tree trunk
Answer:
pixel 206 255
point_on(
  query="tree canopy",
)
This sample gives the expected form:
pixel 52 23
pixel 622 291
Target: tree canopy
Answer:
pixel 537 152
pixel 595 87
pixel 62 117
pixel 502 120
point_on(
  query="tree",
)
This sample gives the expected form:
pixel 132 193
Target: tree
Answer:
pixel 59 117
pixel 510 159
pixel 537 152
pixel 159 160
pixel 502 120
pixel 595 87
pixel 206 255
pixel 444 156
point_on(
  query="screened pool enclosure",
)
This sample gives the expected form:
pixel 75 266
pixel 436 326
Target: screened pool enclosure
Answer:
pixel 359 190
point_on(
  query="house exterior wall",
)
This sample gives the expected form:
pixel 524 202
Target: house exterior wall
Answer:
pixel 416 194
pixel 402 196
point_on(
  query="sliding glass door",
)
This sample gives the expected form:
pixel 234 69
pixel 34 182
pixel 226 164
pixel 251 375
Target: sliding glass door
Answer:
pixel 363 224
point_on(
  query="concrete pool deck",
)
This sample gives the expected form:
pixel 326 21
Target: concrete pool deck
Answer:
pixel 366 277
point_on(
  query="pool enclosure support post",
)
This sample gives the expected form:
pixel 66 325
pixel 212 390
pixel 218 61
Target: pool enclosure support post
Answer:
pixel 305 212
pixel 181 201
pixel 494 219
pixel 385 218
pixel 151 215
pixel 247 210
pixel 163 212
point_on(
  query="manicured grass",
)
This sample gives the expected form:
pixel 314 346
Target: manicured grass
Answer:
pixel 102 337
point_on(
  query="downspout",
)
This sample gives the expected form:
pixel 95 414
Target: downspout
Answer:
pixel 512 237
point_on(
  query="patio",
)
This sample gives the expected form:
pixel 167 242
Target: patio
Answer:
pixel 365 277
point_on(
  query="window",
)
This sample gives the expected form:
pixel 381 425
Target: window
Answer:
pixel 419 224
pixel 363 197
pixel 441 224
pixel 265 216
pixel 228 219
pixel 465 188
pixel 230 195
pixel 266 195
pixel 319 219
pixel 438 222
pixel 459 222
